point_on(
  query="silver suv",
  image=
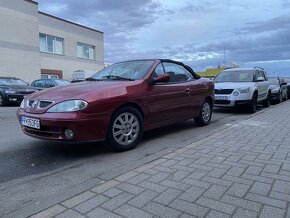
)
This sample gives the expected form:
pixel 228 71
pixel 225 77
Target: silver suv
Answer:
pixel 242 87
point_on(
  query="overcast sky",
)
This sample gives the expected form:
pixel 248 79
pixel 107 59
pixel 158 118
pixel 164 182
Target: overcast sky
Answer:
pixel 197 32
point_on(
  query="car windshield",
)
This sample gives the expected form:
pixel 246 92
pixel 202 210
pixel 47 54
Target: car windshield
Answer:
pixel 273 81
pixel 235 76
pixel 12 81
pixel 61 82
pixel 129 70
pixel 287 80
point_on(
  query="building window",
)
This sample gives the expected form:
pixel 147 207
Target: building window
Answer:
pixel 51 74
pixel 51 44
pixel 86 51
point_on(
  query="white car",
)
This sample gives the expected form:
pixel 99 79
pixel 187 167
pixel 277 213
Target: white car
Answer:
pixel 242 87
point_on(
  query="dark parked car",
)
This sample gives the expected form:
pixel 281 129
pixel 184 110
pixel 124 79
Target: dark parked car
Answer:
pixel 12 90
pixel 278 89
pixel 287 80
pixel 119 103
pixel 48 83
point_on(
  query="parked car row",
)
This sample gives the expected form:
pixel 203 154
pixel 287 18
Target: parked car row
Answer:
pixel 120 102
pixel 278 88
pixel 48 83
pixel 13 90
pixel 248 87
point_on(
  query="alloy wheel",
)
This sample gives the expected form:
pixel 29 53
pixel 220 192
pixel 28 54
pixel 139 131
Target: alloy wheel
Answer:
pixel 206 112
pixel 126 128
pixel 1 100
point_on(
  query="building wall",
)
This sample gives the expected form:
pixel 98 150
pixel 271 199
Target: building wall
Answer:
pixel 71 34
pixel 20 25
pixel 19 46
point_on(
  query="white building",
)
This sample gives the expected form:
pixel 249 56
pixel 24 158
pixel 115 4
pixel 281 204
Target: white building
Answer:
pixel 34 44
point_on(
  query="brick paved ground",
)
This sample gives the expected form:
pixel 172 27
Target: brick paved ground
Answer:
pixel 242 171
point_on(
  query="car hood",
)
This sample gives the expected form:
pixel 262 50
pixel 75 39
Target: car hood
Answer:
pixel 19 87
pixel 274 86
pixel 232 85
pixel 88 91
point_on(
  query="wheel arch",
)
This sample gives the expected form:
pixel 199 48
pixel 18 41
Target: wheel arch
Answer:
pixel 130 104
pixel 255 92
pixel 210 99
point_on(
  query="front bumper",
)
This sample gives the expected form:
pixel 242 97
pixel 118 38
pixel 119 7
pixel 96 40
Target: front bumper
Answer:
pixel 233 103
pixel 231 100
pixel 275 96
pixel 85 127
pixel 13 98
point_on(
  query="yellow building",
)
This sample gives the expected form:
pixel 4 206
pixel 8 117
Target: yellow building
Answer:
pixel 212 72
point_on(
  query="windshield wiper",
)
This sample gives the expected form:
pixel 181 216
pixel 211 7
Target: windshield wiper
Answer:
pixel 114 77
pixel 92 79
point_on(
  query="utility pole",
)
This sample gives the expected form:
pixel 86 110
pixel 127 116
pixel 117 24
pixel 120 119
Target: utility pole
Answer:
pixel 225 62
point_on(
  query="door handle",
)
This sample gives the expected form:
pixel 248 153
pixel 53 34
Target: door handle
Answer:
pixel 188 90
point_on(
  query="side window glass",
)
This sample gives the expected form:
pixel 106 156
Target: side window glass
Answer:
pixel 188 74
pixel 39 83
pixel 49 83
pixel 263 74
pixel 176 72
pixel 158 70
pixel 257 74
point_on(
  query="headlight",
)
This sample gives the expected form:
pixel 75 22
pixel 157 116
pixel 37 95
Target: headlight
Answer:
pixel 275 90
pixel 244 90
pixel 68 106
pixel 9 91
pixel 22 104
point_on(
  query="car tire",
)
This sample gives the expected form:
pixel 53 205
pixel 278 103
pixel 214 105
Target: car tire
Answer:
pixel 253 104
pixel 125 129
pixel 2 101
pixel 279 98
pixel 267 102
pixel 205 114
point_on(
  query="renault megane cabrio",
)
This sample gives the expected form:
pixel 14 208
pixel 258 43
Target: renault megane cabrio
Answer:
pixel 119 103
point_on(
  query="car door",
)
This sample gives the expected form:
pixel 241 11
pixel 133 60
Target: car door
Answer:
pixel 264 84
pixel 260 85
pixel 168 101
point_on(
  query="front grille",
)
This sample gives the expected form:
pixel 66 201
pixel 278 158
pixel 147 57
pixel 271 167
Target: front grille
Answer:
pixel 25 92
pixel 44 131
pixel 44 104
pixel 222 102
pixel 40 104
pixel 29 103
pixel 223 91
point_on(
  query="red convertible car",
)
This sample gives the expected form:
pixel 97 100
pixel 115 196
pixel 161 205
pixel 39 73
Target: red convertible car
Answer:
pixel 119 103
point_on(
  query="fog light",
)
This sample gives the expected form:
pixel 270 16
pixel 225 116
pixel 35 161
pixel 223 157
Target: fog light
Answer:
pixel 236 93
pixel 69 134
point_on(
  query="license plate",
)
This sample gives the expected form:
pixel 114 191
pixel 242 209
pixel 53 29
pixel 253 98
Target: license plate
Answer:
pixel 221 97
pixel 30 122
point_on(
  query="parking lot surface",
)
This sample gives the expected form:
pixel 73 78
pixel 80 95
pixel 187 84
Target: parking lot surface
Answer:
pixel 242 170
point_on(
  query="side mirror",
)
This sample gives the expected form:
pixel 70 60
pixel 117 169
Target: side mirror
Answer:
pixel 161 78
pixel 260 79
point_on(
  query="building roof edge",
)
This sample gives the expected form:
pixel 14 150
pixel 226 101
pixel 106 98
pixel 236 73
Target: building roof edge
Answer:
pixel 67 21
pixel 33 2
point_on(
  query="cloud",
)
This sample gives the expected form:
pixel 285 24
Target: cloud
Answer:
pixel 195 32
